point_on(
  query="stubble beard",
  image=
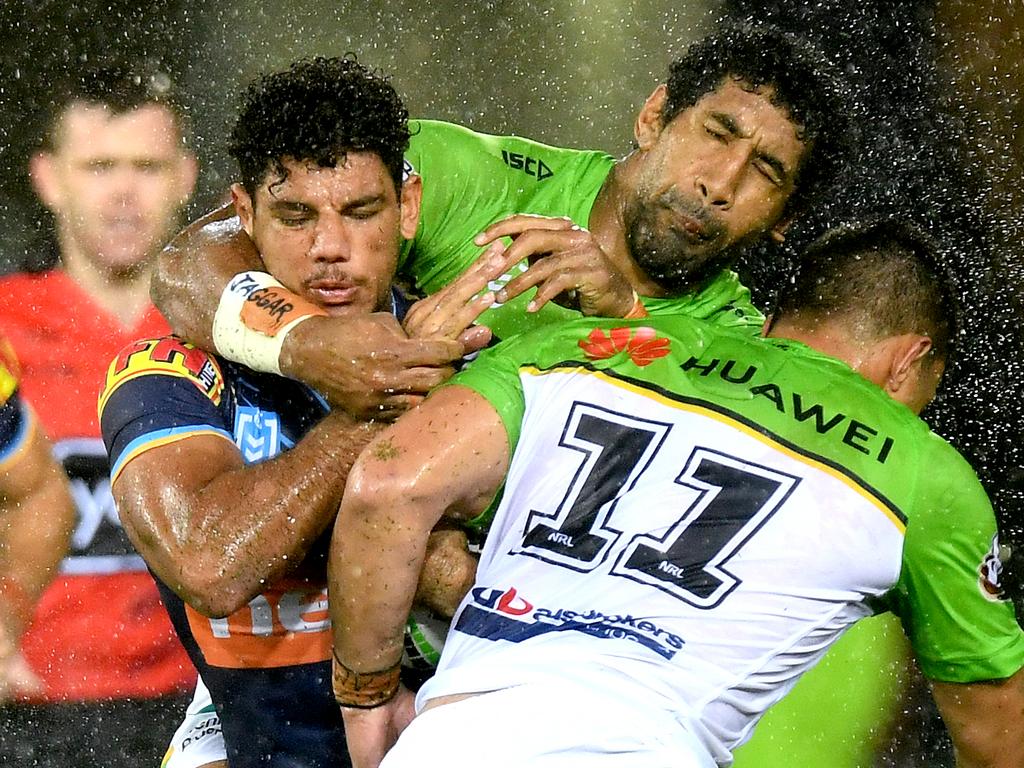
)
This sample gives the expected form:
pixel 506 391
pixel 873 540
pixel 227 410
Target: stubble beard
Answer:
pixel 669 258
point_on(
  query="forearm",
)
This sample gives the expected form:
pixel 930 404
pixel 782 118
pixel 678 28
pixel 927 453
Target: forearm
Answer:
pixel 37 517
pixel 375 563
pixel 193 270
pixel 34 541
pixel 254 524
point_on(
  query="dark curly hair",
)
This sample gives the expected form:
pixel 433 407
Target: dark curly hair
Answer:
pixel 315 111
pixel 804 84
pixel 884 274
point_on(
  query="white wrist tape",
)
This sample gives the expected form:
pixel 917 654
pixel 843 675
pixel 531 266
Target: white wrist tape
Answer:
pixel 254 317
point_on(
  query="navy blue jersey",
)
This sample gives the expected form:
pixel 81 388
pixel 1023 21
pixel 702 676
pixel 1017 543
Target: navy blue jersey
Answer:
pixel 267 665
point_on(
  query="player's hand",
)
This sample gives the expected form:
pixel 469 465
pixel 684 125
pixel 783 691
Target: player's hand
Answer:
pixel 451 312
pixel 564 260
pixel 449 570
pixel 365 364
pixel 370 733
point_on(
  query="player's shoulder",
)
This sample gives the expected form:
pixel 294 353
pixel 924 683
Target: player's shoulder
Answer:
pixel 165 356
pixel 10 371
pixel 32 295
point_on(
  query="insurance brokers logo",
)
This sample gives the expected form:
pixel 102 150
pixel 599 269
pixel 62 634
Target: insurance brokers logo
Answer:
pixel 504 614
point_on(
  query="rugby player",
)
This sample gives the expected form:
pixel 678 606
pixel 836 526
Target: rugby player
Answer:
pixel 690 518
pixel 226 478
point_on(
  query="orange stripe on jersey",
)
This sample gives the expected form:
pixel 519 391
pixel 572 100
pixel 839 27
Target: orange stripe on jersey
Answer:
pixel 281 627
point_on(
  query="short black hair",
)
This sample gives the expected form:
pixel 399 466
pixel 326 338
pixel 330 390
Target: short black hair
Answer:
pixel 884 276
pixel 316 111
pixel 120 87
pixel 804 84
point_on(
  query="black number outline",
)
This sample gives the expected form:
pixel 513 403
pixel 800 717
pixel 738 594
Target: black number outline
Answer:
pixel 712 567
pixel 592 453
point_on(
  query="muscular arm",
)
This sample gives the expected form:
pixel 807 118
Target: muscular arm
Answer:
pixel 447 457
pixel 985 721
pixel 194 268
pixel 37 516
pixel 216 531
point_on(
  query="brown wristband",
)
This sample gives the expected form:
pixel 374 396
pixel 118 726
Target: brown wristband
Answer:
pixel 364 690
pixel 638 310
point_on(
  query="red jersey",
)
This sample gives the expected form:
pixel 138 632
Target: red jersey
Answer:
pixel 100 630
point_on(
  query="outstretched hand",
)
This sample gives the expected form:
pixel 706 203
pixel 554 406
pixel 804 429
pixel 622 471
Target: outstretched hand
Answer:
pixel 451 312
pixel 567 265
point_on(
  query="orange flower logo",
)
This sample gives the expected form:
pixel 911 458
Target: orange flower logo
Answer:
pixel 641 344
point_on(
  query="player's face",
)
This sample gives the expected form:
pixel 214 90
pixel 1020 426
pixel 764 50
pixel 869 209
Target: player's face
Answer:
pixel 719 174
pixel 115 183
pixel 331 235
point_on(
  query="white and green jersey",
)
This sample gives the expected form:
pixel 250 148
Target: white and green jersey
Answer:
pixel 691 517
pixel 471 180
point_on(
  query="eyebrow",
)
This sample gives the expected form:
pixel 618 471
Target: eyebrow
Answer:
pixel 729 123
pixel 295 205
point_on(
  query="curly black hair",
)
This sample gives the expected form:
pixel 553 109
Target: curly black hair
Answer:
pixel 315 111
pixel 885 274
pixel 804 84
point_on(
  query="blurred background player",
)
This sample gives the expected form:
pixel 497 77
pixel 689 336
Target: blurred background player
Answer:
pixel 690 518
pixel 37 516
pixel 114 171
pixel 226 478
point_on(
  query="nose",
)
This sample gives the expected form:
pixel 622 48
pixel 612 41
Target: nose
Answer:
pixel 124 184
pixel 718 182
pixel 330 241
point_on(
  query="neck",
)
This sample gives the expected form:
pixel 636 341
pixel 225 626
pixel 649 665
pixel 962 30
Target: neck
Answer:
pixel 830 339
pixel 123 294
pixel 608 224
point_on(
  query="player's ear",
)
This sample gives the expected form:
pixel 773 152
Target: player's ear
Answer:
pixel 411 196
pixel 908 368
pixel 778 231
pixel 243 206
pixel 648 122
pixel 42 171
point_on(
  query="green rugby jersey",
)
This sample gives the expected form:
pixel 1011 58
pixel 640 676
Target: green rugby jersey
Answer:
pixel 875 511
pixel 471 180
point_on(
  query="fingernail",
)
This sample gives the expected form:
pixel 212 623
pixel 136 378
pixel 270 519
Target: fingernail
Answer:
pixel 479 239
pixel 531 307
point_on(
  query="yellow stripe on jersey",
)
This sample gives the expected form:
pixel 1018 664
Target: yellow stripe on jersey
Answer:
pixel 9 371
pixel 168 356
pixel 148 442
pixel 735 424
